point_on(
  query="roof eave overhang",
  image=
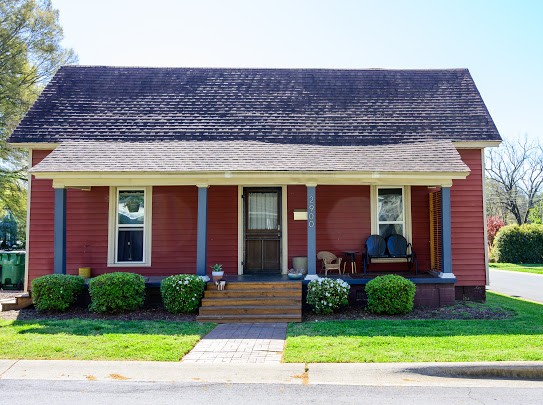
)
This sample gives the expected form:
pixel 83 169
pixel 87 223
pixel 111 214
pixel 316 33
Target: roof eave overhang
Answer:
pixel 457 144
pixel 34 145
pixel 225 178
pixel 476 144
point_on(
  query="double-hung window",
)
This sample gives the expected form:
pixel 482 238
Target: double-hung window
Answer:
pixel 391 211
pixel 130 233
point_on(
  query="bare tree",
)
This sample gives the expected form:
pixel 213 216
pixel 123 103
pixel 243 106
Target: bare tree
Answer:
pixel 515 170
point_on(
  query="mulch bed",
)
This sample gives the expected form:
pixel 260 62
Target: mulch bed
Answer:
pixel 460 310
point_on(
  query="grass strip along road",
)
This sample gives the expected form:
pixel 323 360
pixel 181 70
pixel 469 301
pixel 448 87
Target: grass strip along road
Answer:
pixel 82 339
pixel 524 268
pixel 519 337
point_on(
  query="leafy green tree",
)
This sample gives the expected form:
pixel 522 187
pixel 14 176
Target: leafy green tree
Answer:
pixel 30 54
pixel 535 216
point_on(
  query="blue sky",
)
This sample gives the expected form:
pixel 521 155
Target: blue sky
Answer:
pixel 500 42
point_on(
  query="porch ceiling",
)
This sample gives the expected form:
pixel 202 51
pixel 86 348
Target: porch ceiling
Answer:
pixel 249 162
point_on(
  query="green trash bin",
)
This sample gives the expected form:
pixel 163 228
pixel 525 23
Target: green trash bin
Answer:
pixel 13 270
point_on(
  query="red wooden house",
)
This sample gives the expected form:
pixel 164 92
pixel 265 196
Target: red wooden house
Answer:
pixel 163 171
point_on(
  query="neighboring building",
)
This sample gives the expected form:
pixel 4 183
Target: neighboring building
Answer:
pixel 169 170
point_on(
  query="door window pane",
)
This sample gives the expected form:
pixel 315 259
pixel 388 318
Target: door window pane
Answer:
pixel 262 211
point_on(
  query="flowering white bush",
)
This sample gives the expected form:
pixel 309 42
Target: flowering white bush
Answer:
pixel 182 293
pixel 326 295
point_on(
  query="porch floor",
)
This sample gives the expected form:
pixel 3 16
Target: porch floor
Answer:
pixel 358 278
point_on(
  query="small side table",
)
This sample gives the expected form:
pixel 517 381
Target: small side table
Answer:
pixel 350 255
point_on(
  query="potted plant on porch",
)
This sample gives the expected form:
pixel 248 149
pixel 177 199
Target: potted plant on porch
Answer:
pixel 217 272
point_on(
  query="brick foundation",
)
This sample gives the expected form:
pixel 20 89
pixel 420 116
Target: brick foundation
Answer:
pixel 426 296
pixel 471 293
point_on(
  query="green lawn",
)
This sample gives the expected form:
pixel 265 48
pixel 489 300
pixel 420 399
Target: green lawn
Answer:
pixel 517 338
pixel 525 268
pixel 81 339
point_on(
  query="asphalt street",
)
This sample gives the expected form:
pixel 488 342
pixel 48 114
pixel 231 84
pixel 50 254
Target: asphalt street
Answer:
pixel 117 392
pixel 516 284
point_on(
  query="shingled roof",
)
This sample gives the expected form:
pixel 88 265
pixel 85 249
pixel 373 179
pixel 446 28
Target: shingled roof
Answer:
pixel 327 107
pixel 250 156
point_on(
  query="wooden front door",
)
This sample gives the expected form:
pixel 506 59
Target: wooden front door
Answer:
pixel 262 223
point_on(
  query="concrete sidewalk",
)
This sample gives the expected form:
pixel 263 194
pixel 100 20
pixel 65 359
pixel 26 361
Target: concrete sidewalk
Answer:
pixel 491 374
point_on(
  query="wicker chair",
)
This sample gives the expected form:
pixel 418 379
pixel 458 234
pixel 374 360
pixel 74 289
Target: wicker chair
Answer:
pixel 330 262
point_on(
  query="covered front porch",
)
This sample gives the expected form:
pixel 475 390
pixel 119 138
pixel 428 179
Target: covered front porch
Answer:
pixel 191 219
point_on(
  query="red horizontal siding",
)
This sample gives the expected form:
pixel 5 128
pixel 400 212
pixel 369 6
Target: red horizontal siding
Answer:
pixel 175 211
pixel 40 246
pixel 297 230
pixel 343 223
pixel 467 223
pixel 343 217
pixel 222 228
pixel 173 237
pixel 173 231
pixel 87 229
pixel 420 217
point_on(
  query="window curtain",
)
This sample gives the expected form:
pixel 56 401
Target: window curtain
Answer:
pixel 130 246
pixel 262 211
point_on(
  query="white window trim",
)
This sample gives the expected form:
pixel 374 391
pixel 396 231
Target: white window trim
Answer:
pixel 406 215
pixel 112 231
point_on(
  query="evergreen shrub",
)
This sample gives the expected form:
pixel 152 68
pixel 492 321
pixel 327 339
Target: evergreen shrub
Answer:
pixel 390 294
pixel 114 292
pixel 56 292
pixel 519 244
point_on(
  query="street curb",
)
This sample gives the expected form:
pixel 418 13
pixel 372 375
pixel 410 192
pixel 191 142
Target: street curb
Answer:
pixel 513 371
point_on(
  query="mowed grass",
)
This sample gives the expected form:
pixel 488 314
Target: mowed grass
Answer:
pixel 525 268
pixel 80 339
pixel 516 338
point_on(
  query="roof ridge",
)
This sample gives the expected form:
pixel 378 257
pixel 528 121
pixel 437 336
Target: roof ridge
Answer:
pixel 318 69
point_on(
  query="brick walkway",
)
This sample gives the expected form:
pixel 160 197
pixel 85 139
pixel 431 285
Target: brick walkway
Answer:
pixel 241 343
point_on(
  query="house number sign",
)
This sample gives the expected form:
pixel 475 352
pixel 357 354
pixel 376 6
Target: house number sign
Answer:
pixel 311 212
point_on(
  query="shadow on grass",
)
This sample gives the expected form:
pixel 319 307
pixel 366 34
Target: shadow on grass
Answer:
pixel 83 327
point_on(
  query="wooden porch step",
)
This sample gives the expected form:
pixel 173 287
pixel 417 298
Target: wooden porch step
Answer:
pixel 258 285
pixel 252 302
pixel 18 302
pixel 251 310
pixel 246 301
pixel 249 318
pixel 213 293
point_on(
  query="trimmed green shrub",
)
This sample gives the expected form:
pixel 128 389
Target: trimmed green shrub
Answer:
pixel 56 292
pixel 114 292
pixel 390 294
pixel 325 295
pixel 182 293
pixel 519 244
